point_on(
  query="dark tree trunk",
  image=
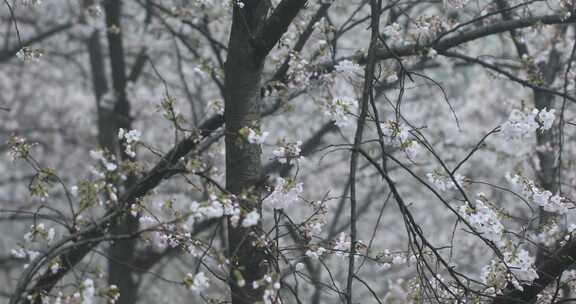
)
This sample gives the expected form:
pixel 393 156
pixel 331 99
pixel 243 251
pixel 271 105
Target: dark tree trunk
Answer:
pixel 122 253
pixel 547 155
pixel 243 71
pixel 546 73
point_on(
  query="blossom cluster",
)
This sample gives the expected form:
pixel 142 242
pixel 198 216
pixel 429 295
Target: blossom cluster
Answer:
pixel 285 194
pixel 484 220
pixel 254 136
pixel 287 151
pixel 300 71
pixel 387 259
pixel 29 54
pixel 178 234
pixel 442 181
pixel 339 109
pixel 19 148
pixel 315 251
pixel 107 161
pixel 40 232
pixel 197 283
pixel 523 125
pixel 349 69
pixel 251 219
pixel 516 267
pixel 85 294
pixel 315 224
pixel 342 245
pixel 548 234
pixel 129 138
pixel 394 33
pixel 547 200
pixel 271 286
pixel 398 135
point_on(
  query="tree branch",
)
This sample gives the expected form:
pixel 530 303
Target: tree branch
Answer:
pixel 457 39
pixel 277 24
pixel 153 178
pixel 7 54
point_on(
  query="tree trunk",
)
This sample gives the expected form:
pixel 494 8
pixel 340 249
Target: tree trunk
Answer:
pixel 545 139
pixel 122 253
pixel 547 155
pixel 243 70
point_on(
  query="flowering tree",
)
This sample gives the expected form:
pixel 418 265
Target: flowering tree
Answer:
pixel 241 150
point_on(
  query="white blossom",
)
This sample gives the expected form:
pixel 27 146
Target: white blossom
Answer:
pixel 94 10
pixel 484 220
pixel 214 210
pixel 32 255
pixel 339 110
pixel 423 30
pixel 395 133
pixel 399 259
pixel 288 151
pixel 271 297
pixel 29 54
pixel 98 155
pixel 55 267
pixel 88 291
pixel 146 220
pixel 256 137
pixel 200 282
pixel 299 266
pixel 40 231
pixel 522 125
pixel 315 252
pixel 251 219
pixel 547 200
pixel 393 32
pixel 217 106
pixel 392 78
pixel 546 118
pixel 342 245
pixel 349 68
pixel 517 262
pixel 443 182
pixel 130 136
pixel 548 234
pixel 18 253
pixel 398 135
pixel 285 194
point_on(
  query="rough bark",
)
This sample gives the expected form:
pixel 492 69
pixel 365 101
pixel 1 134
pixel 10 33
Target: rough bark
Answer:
pixel 121 253
pixel 547 155
pixel 243 70
pixel 252 36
